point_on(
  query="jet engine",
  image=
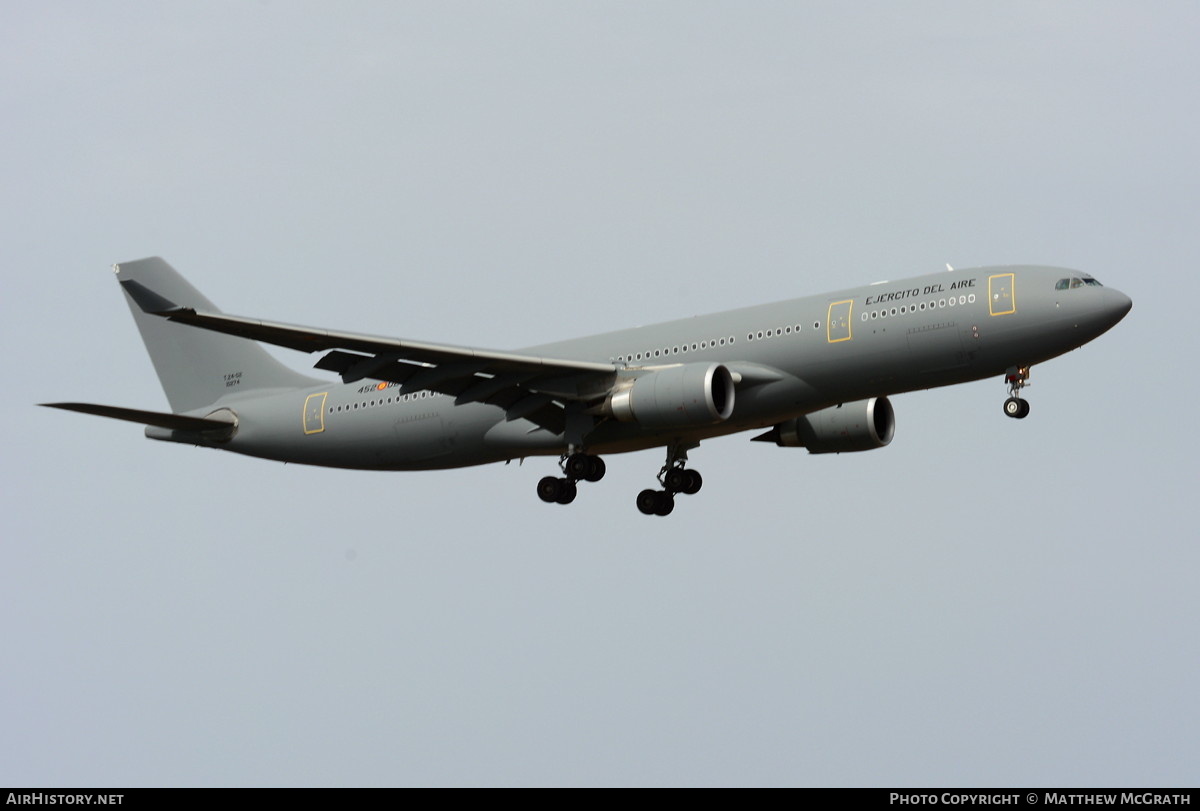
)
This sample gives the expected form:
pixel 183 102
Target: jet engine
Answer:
pixel 675 397
pixel 861 426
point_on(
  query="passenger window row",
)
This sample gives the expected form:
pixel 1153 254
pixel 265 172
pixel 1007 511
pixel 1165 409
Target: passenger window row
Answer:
pixel 905 309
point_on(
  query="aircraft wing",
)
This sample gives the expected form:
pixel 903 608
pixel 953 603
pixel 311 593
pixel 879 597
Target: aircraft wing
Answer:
pixel 526 386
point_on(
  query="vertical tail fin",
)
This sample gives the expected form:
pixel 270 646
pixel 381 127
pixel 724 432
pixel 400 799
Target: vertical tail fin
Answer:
pixel 195 366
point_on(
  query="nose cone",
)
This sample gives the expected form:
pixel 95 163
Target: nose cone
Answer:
pixel 1116 305
pixel 1104 312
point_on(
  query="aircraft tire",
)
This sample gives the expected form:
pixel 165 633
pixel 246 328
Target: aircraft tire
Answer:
pixel 596 469
pixel 566 491
pixel 693 483
pixel 577 466
pixel 1012 408
pixel 664 503
pixel 547 489
pixel 647 500
pixel 676 480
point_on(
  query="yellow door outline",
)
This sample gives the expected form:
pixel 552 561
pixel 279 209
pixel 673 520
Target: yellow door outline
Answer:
pixel 1002 294
pixel 837 325
pixel 314 413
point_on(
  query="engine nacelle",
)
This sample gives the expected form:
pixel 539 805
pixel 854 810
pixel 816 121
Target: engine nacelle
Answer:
pixel 861 426
pixel 676 397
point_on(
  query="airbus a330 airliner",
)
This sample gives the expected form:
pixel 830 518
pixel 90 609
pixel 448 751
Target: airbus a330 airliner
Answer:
pixel 814 372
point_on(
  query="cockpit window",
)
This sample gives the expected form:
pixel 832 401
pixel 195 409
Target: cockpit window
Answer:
pixel 1065 284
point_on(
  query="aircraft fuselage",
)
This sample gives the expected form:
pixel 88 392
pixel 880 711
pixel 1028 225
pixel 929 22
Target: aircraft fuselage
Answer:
pixel 790 358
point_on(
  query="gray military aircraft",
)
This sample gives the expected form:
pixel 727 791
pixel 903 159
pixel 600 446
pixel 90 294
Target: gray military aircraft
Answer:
pixel 815 372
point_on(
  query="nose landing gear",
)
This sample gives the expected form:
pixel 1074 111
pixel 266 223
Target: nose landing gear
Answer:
pixel 1015 406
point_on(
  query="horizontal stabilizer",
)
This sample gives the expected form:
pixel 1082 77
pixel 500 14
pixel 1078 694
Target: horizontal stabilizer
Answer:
pixel 175 422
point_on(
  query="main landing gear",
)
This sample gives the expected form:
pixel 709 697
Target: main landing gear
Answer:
pixel 1014 406
pixel 675 478
pixel 575 466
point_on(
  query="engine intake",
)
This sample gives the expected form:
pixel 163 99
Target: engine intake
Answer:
pixel 676 397
pixel 861 426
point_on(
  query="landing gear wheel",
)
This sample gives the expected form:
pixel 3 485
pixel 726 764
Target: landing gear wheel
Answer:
pixel 556 491
pixel 675 480
pixel 675 477
pixel 577 465
pixel 596 469
pixel 566 491
pixel 1017 378
pixel 547 489
pixel 1016 408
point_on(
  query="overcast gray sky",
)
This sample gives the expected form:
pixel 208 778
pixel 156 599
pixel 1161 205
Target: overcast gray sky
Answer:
pixel 985 601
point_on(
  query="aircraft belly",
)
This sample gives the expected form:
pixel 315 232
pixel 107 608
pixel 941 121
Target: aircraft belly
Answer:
pixel 451 436
pixel 521 435
pixel 382 438
pixel 854 373
pixel 420 436
pixel 937 347
pixel 774 401
pixel 1023 340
